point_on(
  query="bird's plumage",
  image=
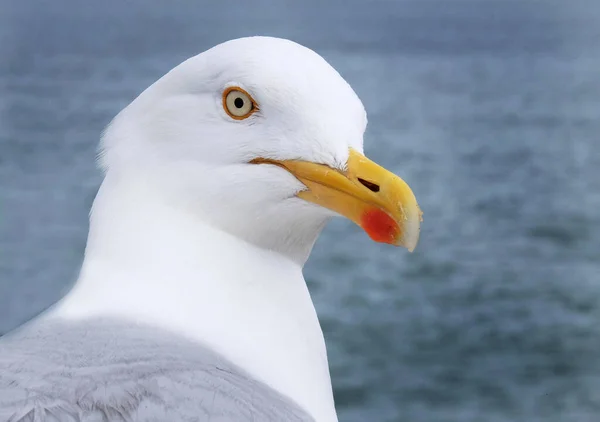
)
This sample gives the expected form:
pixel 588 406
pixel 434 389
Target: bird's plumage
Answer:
pixel 126 373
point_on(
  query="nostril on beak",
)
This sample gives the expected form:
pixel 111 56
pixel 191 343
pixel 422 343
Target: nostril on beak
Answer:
pixel 373 187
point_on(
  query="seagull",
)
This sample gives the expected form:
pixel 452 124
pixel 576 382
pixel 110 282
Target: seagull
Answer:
pixel 191 304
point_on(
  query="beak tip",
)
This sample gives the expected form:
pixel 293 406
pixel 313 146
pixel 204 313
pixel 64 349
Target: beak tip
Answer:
pixel 412 229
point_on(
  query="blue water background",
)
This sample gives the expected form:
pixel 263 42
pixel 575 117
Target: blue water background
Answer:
pixel 489 109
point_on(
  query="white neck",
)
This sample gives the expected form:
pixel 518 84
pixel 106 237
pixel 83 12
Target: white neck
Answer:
pixel 148 262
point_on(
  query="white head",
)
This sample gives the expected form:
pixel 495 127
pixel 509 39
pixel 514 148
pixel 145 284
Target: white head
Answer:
pixel 248 174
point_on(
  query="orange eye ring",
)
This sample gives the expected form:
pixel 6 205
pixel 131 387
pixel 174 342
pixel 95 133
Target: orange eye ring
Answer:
pixel 238 104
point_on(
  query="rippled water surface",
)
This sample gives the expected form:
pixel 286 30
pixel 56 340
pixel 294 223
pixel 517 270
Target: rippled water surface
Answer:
pixel 489 109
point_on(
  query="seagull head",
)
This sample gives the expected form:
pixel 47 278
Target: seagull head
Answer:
pixel 263 139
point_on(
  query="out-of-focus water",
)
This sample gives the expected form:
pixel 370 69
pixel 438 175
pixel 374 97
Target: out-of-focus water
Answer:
pixel 489 109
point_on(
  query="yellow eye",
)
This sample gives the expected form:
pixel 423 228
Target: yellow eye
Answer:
pixel 238 104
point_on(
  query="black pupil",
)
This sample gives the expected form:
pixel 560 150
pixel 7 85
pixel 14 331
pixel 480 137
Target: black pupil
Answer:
pixel 238 102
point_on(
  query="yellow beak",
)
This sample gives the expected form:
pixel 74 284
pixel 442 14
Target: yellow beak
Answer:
pixel 377 200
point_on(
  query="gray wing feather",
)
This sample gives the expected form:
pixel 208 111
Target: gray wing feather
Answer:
pixel 101 371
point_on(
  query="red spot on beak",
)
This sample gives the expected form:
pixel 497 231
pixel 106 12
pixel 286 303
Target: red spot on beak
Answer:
pixel 379 226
